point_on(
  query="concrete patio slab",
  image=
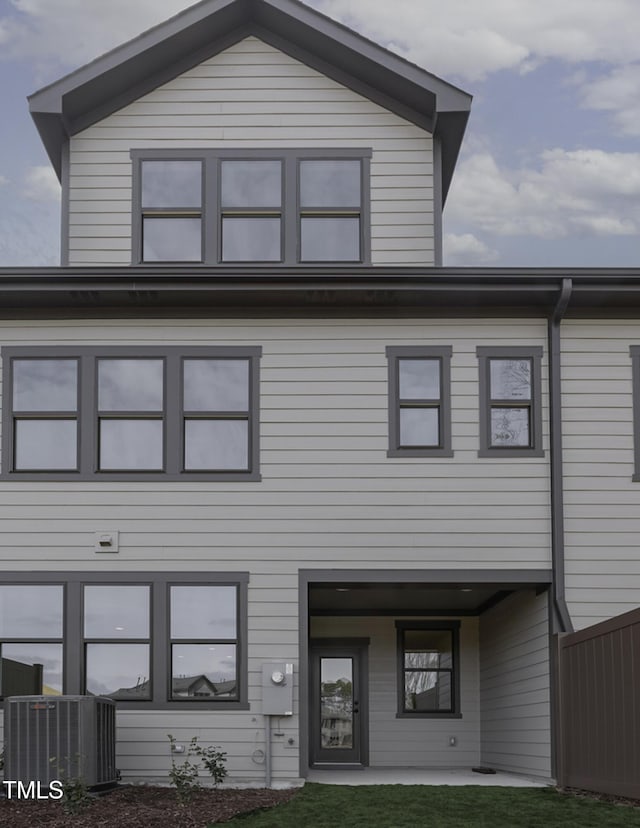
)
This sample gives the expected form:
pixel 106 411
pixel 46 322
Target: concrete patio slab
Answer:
pixel 413 776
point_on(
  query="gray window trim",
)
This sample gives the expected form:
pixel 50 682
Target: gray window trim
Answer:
pixel 442 353
pixel 211 211
pixel 487 352
pixel 453 627
pixel 634 353
pixel 172 414
pixel 73 632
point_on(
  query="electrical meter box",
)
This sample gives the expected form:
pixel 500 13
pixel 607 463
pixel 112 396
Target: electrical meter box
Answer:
pixel 277 688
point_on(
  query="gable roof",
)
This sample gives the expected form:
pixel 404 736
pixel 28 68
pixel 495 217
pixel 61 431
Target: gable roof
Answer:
pixel 119 77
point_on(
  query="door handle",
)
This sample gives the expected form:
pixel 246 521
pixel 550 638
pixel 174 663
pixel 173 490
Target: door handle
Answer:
pixel 356 707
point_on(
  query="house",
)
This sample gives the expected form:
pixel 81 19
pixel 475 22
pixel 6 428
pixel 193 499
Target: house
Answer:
pixel 251 420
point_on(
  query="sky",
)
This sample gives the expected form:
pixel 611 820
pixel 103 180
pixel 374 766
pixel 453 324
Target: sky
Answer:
pixel 549 173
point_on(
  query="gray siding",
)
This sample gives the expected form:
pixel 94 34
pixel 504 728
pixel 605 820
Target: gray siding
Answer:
pixel 252 96
pixel 410 742
pixel 515 686
pixel 602 503
pixel 329 497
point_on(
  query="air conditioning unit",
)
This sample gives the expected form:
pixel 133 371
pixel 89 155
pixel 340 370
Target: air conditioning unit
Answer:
pixel 51 738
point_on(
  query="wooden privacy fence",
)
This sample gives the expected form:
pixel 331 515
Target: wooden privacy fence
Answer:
pixel 599 707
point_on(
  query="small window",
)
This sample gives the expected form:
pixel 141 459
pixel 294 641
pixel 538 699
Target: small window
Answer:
pixel 131 413
pixel 218 206
pixel 428 683
pixel 419 401
pixel 510 402
pixel 117 653
pixel 171 208
pixel 204 633
pixel 31 629
pixel 634 352
pixel 251 211
pixel 330 210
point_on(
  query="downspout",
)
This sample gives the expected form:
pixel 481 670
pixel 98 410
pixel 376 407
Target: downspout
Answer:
pixel 561 617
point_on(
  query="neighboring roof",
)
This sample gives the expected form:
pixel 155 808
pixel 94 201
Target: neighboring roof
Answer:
pixel 121 76
pixel 163 289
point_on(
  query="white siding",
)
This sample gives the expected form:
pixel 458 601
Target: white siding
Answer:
pixel 252 96
pixel 602 503
pixel 329 496
pixel 411 742
pixel 515 686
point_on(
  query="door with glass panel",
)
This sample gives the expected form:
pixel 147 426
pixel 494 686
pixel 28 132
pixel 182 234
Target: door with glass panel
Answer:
pixel 338 705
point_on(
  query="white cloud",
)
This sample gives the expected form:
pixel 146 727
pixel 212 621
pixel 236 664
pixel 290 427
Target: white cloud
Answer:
pixel 465 249
pixel 581 192
pixel 29 234
pixel 617 92
pixel 72 32
pixel 41 184
pixel 472 39
pixel 459 38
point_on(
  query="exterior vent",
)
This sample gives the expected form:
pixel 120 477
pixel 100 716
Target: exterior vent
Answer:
pixel 60 737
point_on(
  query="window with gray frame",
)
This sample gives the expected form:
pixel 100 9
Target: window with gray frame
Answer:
pixel 634 351
pixel 256 206
pixel 510 401
pixel 419 401
pixel 156 640
pixel 428 668
pixel 131 413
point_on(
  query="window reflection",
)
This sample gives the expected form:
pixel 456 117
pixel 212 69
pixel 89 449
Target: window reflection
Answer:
pixel 116 611
pixel 216 445
pixel 325 239
pixel 251 239
pixel 176 184
pixel 251 184
pixel 201 612
pixel 171 239
pixel 33 611
pixel 130 384
pixel 419 427
pixel 118 670
pixel 45 385
pixel 419 379
pixel 216 384
pixel 203 670
pixel 327 183
pixel 31 670
pixel 131 445
pixel 50 445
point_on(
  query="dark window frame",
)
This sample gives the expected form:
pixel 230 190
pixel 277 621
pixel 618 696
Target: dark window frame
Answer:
pixel 73 641
pixel 211 212
pixel 173 414
pixel 485 354
pixel 634 353
pixel 453 627
pixel 443 354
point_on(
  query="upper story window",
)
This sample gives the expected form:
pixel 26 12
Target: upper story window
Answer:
pixel 259 206
pixel 419 401
pixel 510 401
pixel 131 413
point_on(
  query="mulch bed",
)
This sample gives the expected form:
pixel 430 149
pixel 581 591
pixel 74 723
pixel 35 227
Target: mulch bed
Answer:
pixel 142 806
pixel 601 797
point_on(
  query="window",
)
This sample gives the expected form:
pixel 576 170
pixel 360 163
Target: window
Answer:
pixel 428 670
pixel 634 351
pixel 419 401
pixel 510 402
pixel 161 640
pixel 258 206
pixel 31 649
pixel 134 413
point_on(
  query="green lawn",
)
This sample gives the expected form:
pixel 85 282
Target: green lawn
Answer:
pixel 418 806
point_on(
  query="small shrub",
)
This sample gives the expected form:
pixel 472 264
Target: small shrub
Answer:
pixel 214 761
pixel 184 776
pixel 75 791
